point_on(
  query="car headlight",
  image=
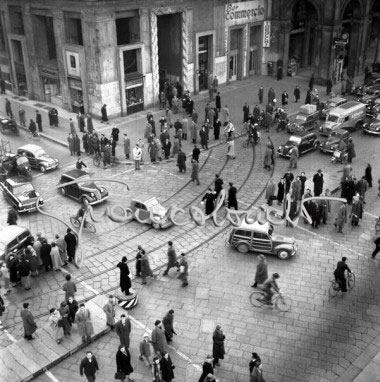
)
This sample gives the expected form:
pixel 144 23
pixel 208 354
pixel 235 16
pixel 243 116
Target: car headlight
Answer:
pixel 19 204
pixel 377 128
pixel 42 200
pixel 332 148
pixel 101 189
pixel 92 194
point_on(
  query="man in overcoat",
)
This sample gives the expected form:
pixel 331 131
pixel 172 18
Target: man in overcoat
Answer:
pixel 318 183
pixel 28 321
pixel 158 338
pixel 123 330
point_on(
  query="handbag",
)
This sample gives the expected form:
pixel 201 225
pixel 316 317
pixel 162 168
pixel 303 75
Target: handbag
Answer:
pixel 182 269
pixel 119 375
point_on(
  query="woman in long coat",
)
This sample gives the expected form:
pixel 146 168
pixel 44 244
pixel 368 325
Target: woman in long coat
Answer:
pixel 368 175
pixel 65 314
pixel 127 146
pixel 270 192
pixel 210 198
pixel 184 270
pixel 152 150
pixel 109 310
pixel 70 140
pixel 123 361
pixel 55 322
pixel 356 211
pixel 218 350
pixel 125 281
pixel 195 171
pixel 268 157
pixel 280 191
pixel 83 321
pixel 145 267
pixel 231 148
pixel 55 257
pixel 261 271
pixel 76 141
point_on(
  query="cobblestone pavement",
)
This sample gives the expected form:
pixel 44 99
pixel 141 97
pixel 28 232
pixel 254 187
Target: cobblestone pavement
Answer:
pixel 316 341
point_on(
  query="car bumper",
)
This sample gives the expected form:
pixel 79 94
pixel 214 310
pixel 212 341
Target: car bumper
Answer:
pixel 326 150
pixel 52 167
pixel 28 208
pixel 98 201
pixel 371 132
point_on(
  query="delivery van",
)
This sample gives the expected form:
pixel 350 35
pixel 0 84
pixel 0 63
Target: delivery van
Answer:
pixel 350 116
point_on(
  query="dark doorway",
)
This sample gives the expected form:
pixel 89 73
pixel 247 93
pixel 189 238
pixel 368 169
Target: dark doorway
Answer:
pixel 302 34
pixel 169 48
pixel 204 61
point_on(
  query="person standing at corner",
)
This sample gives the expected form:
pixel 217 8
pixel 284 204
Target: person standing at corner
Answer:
pixel 103 111
pixel 123 330
pixel 28 322
pixel 89 366
pixel 207 368
pixel 232 199
pixel 172 258
pixel 218 350
pixel 138 261
pixel 125 281
pixel 71 243
pixel 297 94
pixel 109 310
pixel 39 121
pixel 318 183
pixel 137 154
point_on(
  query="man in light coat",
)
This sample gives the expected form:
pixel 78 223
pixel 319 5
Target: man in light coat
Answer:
pixel 137 153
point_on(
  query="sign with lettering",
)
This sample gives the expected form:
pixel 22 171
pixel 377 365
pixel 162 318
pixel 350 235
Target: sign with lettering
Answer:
pixel 245 12
pixel 49 72
pixel 266 34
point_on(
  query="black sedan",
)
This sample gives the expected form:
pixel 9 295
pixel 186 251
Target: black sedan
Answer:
pixel 304 141
pixel 20 193
pixel 85 189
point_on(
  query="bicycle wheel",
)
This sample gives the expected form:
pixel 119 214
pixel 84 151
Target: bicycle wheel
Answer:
pixel 90 227
pixel 254 297
pixel 74 221
pixel 334 289
pixel 351 281
pixel 283 303
pixel 96 160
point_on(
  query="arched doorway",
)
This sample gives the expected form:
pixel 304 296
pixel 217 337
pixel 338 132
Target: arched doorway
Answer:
pixel 303 33
pixel 351 30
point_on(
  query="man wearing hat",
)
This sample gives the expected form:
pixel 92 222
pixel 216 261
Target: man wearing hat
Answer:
pixel 207 368
pixel 158 338
pixel 123 330
pixel 318 183
pixel 28 321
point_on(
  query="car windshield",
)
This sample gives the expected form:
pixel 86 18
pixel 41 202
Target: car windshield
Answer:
pixel 332 118
pixel 39 153
pixel 23 188
pixel 151 203
pixel 294 139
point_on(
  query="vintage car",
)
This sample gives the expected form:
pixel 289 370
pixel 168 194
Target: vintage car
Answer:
pixel 305 141
pixel 333 140
pixel 12 164
pixel 12 239
pixel 307 119
pixel 84 190
pixel 372 128
pixel 20 194
pixel 373 108
pixel 372 93
pixel 37 157
pixel 258 237
pixel 151 212
pixel 335 102
pixel 8 124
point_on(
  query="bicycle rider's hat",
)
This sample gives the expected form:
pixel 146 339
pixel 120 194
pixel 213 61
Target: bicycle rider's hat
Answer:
pixel 276 275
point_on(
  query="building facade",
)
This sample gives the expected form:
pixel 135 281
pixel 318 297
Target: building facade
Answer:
pixel 83 54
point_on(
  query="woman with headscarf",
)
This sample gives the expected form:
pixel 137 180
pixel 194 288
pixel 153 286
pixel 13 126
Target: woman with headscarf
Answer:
pixel 123 362
pixel 261 271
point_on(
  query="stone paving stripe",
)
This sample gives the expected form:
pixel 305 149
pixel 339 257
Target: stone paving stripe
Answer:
pixel 9 335
pixel 51 376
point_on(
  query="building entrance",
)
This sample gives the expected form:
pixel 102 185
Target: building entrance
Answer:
pixel 204 61
pixel 234 66
pixel 169 48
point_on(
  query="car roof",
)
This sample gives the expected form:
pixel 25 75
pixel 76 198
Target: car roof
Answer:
pixel 340 131
pixel 75 174
pixel 17 180
pixel 10 232
pixel 350 105
pixel 255 226
pixel 302 134
pixel 30 147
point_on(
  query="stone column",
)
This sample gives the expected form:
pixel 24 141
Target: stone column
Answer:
pixel 284 30
pixel 185 82
pixel 354 51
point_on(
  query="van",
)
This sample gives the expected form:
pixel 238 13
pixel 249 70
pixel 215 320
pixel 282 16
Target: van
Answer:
pixel 350 116
pixel 12 239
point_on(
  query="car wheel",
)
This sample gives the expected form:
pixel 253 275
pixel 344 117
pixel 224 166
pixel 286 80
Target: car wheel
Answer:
pixel 156 226
pixel 42 169
pixel 243 248
pixel 283 255
pixel 63 191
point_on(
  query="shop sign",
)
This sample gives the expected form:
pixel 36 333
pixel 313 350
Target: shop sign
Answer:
pixel 75 84
pixel 134 83
pixel 266 34
pixel 49 72
pixel 72 60
pixel 246 12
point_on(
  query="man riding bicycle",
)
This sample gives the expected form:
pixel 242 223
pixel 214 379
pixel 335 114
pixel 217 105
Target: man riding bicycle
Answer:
pixel 229 129
pixel 81 213
pixel 269 287
pixel 339 274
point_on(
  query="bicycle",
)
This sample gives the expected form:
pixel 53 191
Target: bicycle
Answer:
pixel 76 223
pixel 280 302
pixel 335 286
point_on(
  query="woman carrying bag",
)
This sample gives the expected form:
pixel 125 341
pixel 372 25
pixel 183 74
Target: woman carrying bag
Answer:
pixel 123 364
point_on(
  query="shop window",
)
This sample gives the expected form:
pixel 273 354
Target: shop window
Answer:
pixel 16 20
pixel 127 30
pixel 73 30
pixel 2 35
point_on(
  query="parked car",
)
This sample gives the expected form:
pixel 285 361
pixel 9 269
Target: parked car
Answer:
pixel 85 190
pixel 333 140
pixel 37 157
pixel 151 206
pixel 371 93
pixel 372 128
pixel 349 116
pixel 20 194
pixel 12 239
pixel 12 164
pixel 334 102
pixel 373 108
pixel 8 124
pixel 305 141
pixel 258 237
pixel 307 119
